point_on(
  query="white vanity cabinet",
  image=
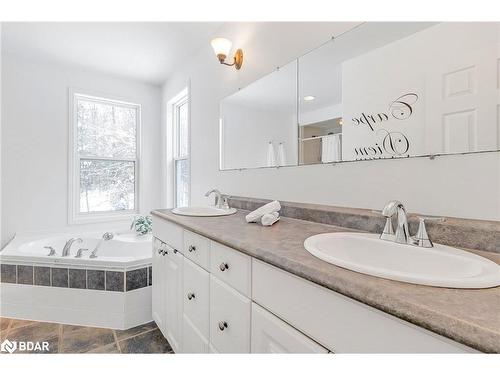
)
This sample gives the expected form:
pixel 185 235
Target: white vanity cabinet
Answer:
pixel 196 297
pixel 174 298
pixel 210 298
pixel 272 335
pixel 159 285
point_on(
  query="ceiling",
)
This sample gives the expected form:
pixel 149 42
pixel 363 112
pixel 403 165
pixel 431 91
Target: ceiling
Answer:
pixel 146 51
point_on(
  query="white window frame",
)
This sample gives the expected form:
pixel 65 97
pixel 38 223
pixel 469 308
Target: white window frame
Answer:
pixel 181 99
pixel 74 214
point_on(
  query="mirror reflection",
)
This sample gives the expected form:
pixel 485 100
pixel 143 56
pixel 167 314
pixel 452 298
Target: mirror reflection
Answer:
pixel 258 124
pixel 379 91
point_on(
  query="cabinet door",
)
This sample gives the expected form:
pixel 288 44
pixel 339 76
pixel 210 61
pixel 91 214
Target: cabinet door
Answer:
pixel 158 287
pixel 173 306
pixel 192 339
pixel 272 335
pixel 229 318
pixel 196 296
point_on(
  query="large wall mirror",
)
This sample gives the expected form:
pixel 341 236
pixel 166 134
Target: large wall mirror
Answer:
pixel 379 91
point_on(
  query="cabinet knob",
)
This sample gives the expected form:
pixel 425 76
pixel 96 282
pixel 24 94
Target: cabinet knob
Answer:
pixel 222 325
pixel 190 296
pixel 191 248
pixel 175 251
pixel 159 251
pixel 223 266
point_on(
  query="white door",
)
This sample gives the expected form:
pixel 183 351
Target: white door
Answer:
pixel 196 289
pixel 192 339
pixel 229 318
pixel 158 287
pixel 272 335
pixel 174 301
pixel 462 90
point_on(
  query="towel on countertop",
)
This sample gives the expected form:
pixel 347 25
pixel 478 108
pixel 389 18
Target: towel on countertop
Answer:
pixel 270 219
pixel 256 215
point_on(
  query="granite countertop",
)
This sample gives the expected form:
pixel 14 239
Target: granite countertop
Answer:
pixel 471 317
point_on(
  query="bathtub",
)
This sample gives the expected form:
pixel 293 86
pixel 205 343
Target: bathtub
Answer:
pixel 112 290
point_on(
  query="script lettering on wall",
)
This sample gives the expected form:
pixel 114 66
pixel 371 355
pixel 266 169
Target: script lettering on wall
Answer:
pixel 388 144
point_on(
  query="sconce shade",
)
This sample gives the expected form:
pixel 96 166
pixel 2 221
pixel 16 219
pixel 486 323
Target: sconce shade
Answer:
pixel 222 47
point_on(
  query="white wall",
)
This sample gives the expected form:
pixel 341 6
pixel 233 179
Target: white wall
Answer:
pixel 0 135
pixel 35 140
pixel 462 186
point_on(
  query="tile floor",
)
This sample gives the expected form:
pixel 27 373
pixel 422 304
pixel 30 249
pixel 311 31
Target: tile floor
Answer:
pixel 62 338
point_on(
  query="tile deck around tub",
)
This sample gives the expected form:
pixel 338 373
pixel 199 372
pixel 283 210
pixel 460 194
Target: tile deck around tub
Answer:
pixel 62 338
pixel 77 278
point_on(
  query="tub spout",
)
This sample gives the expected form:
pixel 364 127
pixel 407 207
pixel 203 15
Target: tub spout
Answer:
pixel 105 237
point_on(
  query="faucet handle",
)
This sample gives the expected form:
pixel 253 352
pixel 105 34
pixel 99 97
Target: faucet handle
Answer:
pixel 52 251
pixel 225 201
pixel 422 238
pixel 79 252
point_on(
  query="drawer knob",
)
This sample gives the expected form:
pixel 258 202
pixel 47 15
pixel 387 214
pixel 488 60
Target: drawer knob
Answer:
pixel 175 251
pixel 222 326
pixel 190 296
pixel 223 266
pixel 159 251
pixel 192 248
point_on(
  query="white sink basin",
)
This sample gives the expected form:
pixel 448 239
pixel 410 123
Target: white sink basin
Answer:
pixel 203 211
pixel 441 265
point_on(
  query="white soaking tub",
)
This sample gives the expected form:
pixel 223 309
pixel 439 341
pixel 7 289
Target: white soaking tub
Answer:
pixel 112 290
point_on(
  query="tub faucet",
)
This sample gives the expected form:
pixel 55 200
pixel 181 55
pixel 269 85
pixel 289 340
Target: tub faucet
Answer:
pixel 105 237
pixel 67 246
pixel 402 232
pixel 132 224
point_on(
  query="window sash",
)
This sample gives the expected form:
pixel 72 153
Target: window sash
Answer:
pixel 177 133
pixel 176 183
pixel 75 214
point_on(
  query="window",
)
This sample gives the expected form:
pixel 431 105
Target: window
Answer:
pixel 180 113
pixel 104 149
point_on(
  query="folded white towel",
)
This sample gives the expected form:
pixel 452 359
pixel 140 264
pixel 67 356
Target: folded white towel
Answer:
pixel 255 216
pixel 270 219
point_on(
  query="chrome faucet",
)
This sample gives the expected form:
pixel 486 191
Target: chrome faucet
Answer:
pixel 67 246
pixel 221 200
pixel 402 234
pixel 105 237
pixel 132 224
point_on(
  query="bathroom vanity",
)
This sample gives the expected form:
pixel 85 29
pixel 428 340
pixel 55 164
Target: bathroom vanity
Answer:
pixel 221 285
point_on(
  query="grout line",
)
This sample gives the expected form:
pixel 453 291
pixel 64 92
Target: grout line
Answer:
pixel 138 334
pixel 59 349
pixel 116 341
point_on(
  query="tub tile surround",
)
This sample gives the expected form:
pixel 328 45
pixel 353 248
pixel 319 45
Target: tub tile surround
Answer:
pixel 77 278
pixel 71 339
pixel 464 233
pixel 469 317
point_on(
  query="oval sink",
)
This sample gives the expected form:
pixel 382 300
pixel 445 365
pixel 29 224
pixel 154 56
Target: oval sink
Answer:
pixel 203 211
pixel 442 266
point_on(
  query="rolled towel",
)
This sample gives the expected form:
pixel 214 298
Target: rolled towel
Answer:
pixel 255 216
pixel 270 219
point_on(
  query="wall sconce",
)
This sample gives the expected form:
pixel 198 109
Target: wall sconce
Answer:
pixel 222 47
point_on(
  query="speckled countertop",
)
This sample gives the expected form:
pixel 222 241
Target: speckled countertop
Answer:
pixel 471 317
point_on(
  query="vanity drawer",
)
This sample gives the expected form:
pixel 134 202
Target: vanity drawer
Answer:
pixel 196 288
pixel 272 335
pixel 168 232
pixel 197 248
pixel 231 266
pixel 339 323
pixel 229 318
